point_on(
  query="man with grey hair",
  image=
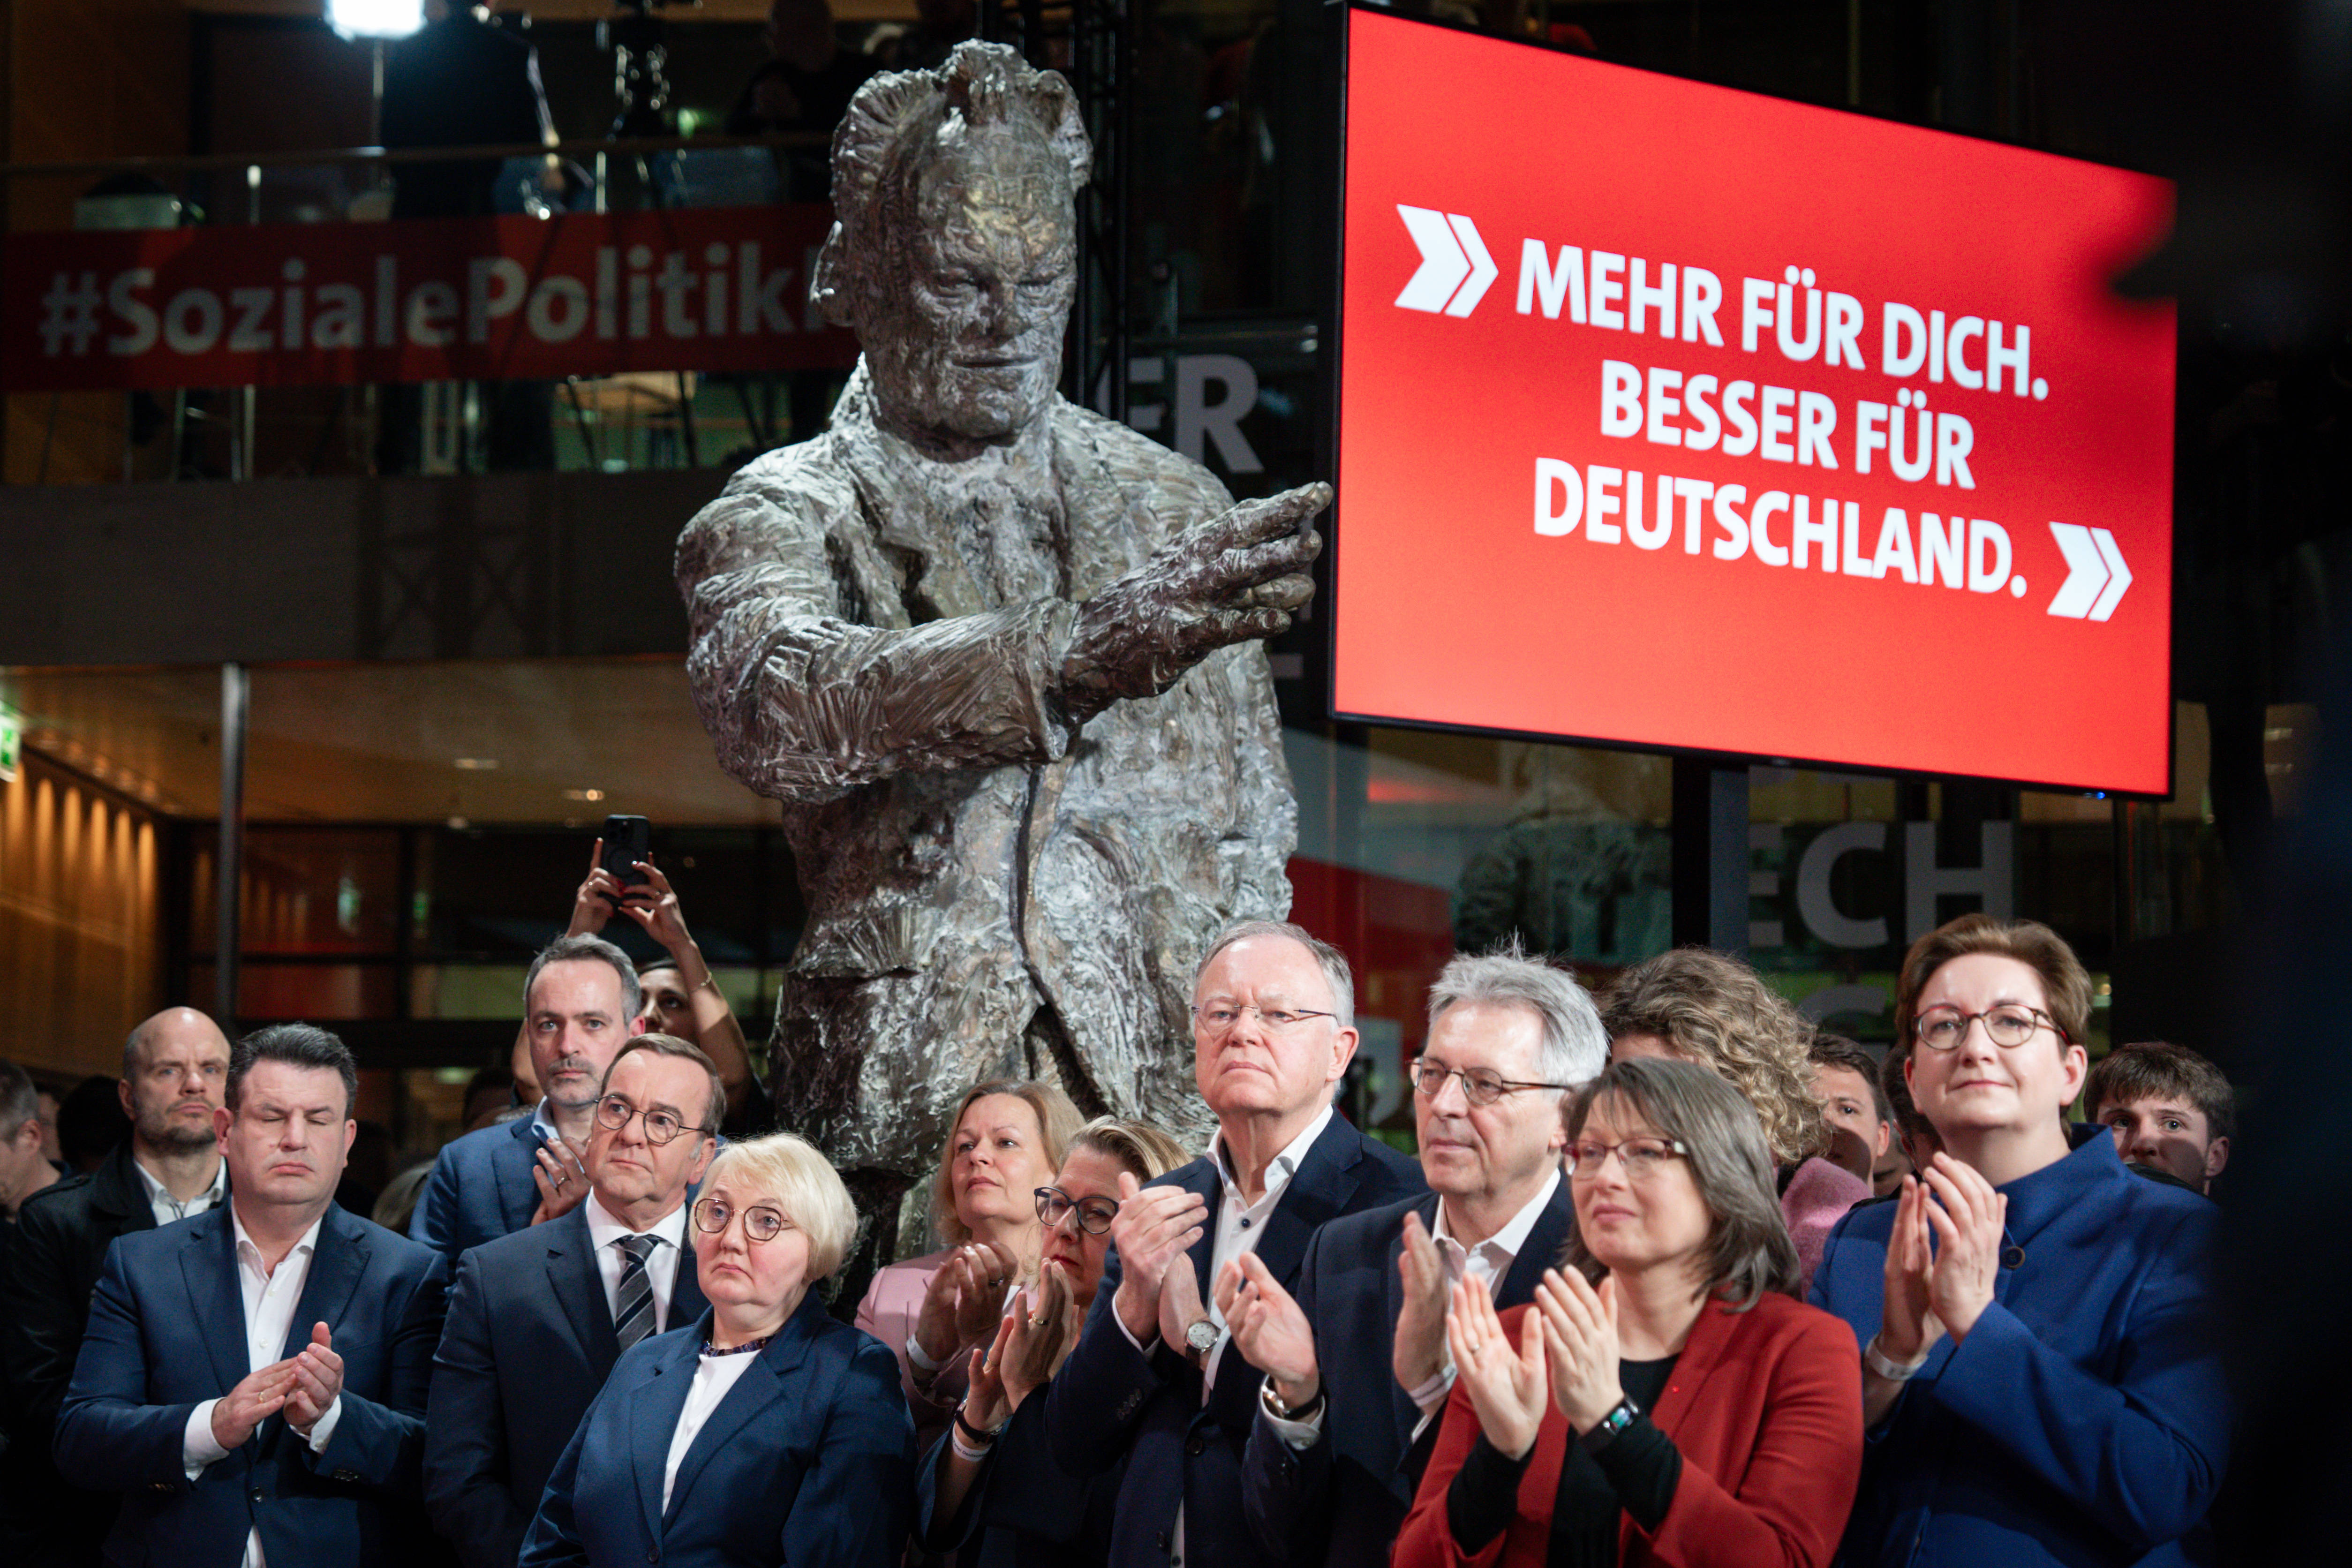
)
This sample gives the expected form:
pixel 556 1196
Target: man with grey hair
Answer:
pixel 24 1168
pixel 996 656
pixel 175 1077
pixel 580 1006
pixel 1357 1369
pixel 1157 1380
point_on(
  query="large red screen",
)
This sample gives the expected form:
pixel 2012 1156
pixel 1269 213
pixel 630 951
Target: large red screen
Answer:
pixel 1676 416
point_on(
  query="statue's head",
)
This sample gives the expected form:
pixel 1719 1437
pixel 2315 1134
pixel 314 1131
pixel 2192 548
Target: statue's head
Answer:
pixel 953 254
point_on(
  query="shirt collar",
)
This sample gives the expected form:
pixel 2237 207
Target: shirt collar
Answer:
pixel 604 1229
pixel 1513 1236
pixel 304 1245
pixel 541 1122
pixel 155 1189
pixel 1286 1164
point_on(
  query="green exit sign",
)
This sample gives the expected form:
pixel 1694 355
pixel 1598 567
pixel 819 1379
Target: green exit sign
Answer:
pixel 12 744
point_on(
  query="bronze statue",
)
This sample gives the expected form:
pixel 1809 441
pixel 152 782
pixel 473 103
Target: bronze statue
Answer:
pixel 998 658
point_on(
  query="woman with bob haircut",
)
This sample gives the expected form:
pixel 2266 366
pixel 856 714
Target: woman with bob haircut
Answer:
pixel 991 1492
pixel 1697 1006
pixel 766 1433
pixel 1005 1141
pixel 1665 1399
pixel 2040 1379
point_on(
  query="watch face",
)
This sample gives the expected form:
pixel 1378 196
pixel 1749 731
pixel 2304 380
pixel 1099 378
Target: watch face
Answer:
pixel 1201 1336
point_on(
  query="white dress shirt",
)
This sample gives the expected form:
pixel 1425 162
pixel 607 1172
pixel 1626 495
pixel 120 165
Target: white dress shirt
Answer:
pixel 713 1376
pixel 270 1296
pixel 1490 1260
pixel 661 1264
pixel 1241 1225
pixel 168 1209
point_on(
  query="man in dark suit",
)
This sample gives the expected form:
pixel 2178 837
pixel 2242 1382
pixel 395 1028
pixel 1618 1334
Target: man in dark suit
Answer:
pixel 1357 1372
pixel 175 1070
pixel 1155 1377
pixel 537 1318
pixel 253 1379
pixel 580 1006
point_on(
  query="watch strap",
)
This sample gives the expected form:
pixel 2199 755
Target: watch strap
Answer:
pixel 1604 1432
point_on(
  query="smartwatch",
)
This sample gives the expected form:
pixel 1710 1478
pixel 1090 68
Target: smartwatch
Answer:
pixel 1604 1431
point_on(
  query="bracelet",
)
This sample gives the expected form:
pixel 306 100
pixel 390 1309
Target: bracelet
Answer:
pixel 711 980
pixel 1282 1412
pixel 964 1451
pixel 1892 1371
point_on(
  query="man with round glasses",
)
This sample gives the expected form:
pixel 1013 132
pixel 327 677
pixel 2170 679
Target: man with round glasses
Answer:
pixel 537 1318
pixel 1357 1369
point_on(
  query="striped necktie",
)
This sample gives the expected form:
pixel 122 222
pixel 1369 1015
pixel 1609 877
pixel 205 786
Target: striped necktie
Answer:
pixel 632 1305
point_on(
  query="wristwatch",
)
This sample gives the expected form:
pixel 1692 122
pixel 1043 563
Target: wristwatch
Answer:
pixel 1604 1431
pixel 1199 1340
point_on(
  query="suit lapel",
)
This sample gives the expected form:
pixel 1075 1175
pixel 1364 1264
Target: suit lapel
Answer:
pixel 208 1266
pixel 687 1301
pixel 578 1287
pixel 336 1265
pixel 1318 1191
pixel 1212 1188
pixel 512 1160
pixel 762 1385
pixel 1708 1336
pixel 1540 1250
pixel 654 1404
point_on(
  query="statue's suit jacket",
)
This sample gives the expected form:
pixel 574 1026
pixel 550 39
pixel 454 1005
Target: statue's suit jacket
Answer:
pixel 528 1345
pixel 875 641
pixel 167 1333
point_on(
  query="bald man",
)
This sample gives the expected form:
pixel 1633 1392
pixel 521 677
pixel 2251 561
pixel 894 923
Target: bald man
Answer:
pixel 174 1076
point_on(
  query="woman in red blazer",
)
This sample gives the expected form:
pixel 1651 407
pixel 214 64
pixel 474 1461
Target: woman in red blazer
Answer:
pixel 1686 1409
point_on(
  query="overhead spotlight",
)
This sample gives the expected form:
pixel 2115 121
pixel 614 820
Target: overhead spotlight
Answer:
pixel 375 18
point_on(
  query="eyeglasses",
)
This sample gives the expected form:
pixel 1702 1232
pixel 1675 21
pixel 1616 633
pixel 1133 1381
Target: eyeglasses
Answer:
pixel 1220 1016
pixel 613 1113
pixel 1479 1086
pixel 1942 1028
pixel 761 1224
pixel 1094 1215
pixel 1642 1158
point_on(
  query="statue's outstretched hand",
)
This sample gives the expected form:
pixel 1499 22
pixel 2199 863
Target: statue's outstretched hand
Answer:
pixel 1237 578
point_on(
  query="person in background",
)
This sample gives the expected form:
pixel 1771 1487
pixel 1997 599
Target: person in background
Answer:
pixel 1698 1006
pixel 580 1006
pixel 765 1433
pixel 175 1075
pixel 91 1124
pixel 2170 1109
pixel 2042 1370
pixel 1156 1382
pixel 253 1380
pixel 678 996
pixel 1861 1126
pixel 1667 1399
pixel 396 1205
pixel 990 1492
pixel 23 1169
pixel 804 86
pixel 1916 1143
pixel 489 1095
pixel 1357 1372
pixel 52 1150
pixel 1005 1141
pixel 537 1318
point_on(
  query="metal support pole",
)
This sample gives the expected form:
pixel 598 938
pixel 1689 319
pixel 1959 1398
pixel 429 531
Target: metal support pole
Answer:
pixel 1710 856
pixel 228 936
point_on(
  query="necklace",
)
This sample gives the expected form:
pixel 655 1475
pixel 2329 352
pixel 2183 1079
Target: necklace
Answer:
pixel 746 1348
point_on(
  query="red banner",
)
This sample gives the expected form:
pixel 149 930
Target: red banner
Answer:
pixel 1675 416
pixel 516 299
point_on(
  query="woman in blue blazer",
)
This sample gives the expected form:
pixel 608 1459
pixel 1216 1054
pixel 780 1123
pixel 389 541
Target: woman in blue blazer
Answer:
pixel 765 1433
pixel 2042 1382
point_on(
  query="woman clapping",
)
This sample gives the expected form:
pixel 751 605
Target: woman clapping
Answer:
pixel 1665 1398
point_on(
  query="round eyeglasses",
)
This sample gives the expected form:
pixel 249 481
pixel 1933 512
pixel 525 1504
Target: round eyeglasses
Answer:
pixel 1094 1215
pixel 1642 1158
pixel 761 1223
pixel 1480 1086
pixel 613 1113
pixel 1942 1028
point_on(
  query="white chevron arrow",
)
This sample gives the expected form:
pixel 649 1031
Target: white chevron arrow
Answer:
pixel 2095 574
pixel 1451 251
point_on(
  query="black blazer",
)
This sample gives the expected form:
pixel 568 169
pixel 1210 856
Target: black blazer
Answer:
pixel 60 1244
pixel 1341 1501
pixel 167 1333
pixel 1109 1402
pixel 527 1346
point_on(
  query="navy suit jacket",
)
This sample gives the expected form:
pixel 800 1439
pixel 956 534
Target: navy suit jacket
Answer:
pixel 2086 1419
pixel 1112 1401
pixel 1341 1501
pixel 528 1345
pixel 167 1333
pixel 480 1189
pixel 808 1460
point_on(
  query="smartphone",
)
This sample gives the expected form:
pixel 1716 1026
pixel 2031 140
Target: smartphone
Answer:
pixel 627 839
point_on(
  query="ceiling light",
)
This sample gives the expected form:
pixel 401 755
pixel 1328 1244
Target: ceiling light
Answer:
pixel 375 18
pixel 584 794
pixel 477 764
